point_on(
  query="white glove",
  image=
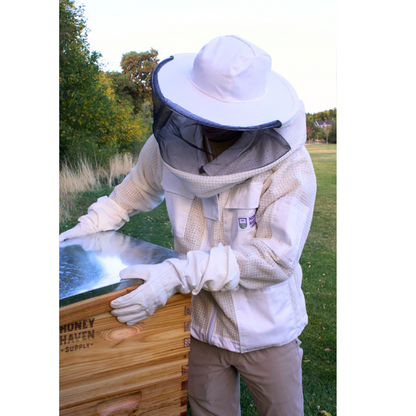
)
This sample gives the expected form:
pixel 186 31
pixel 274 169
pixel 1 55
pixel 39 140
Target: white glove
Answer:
pixel 214 271
pixel 103 215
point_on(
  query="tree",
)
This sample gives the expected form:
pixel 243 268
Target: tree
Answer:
pixel 139 67
pixel 73 32
pixel 315 129
pixel 125 89
pixel 77 67
pixel 332 113
pixel 332 135
pixel 324 115
pixel 93 123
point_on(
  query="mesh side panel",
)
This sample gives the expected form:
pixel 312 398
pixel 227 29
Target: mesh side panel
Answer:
pixel 132 194
pixel 195 230
pixel 216 229
pixel 226 323
pixel 202 306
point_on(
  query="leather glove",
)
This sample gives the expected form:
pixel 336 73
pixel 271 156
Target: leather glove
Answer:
pixel 216 270
pixel 103 215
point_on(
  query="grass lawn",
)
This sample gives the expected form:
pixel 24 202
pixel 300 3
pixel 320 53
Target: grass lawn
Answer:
pixel 318 262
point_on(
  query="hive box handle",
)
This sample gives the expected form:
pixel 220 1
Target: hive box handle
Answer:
pixel 111 407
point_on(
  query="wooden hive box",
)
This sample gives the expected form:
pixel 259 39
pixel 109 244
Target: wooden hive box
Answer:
pixel 110 368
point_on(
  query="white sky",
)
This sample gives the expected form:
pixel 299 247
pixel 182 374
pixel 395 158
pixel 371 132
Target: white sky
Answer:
pixel 300 35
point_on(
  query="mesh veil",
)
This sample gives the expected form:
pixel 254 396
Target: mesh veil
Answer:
pixel 179 135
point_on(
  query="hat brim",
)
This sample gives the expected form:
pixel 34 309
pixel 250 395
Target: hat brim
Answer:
pixel 280 102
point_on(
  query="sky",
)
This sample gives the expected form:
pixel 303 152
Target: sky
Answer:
pixel 299 35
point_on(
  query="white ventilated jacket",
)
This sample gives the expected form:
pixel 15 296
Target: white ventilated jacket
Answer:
pixel 264 215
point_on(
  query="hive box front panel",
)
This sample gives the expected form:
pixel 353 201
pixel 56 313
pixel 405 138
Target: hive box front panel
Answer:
pixel 110 368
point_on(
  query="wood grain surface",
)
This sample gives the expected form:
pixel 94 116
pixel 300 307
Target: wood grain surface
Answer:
pixel 110 368
pixel 119 404
pixel 163 399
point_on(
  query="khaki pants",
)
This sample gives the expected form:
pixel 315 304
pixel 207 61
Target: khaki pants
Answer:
pixel 273 376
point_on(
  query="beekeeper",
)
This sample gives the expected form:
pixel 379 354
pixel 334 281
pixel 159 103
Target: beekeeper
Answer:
pixel 227 153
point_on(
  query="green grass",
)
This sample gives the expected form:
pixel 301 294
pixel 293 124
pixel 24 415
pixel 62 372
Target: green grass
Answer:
pixel 318 262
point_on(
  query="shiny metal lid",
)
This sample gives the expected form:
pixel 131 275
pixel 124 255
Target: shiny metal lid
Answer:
pixel 89 266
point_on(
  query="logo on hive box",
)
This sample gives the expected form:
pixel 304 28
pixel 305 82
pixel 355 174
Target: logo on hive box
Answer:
pixel 77 335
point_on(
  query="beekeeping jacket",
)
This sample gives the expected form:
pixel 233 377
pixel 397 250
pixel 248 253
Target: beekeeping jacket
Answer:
pixel 264 214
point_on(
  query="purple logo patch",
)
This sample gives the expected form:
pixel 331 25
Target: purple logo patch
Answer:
pixel 242 222
pixel 246 223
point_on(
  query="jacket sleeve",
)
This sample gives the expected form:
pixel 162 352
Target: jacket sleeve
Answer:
pixel 141 189
pixel 283 221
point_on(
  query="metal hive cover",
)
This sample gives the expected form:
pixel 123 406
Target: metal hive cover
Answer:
pixel 89 266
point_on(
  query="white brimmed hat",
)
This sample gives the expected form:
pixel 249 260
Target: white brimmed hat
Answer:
pixel 228 84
